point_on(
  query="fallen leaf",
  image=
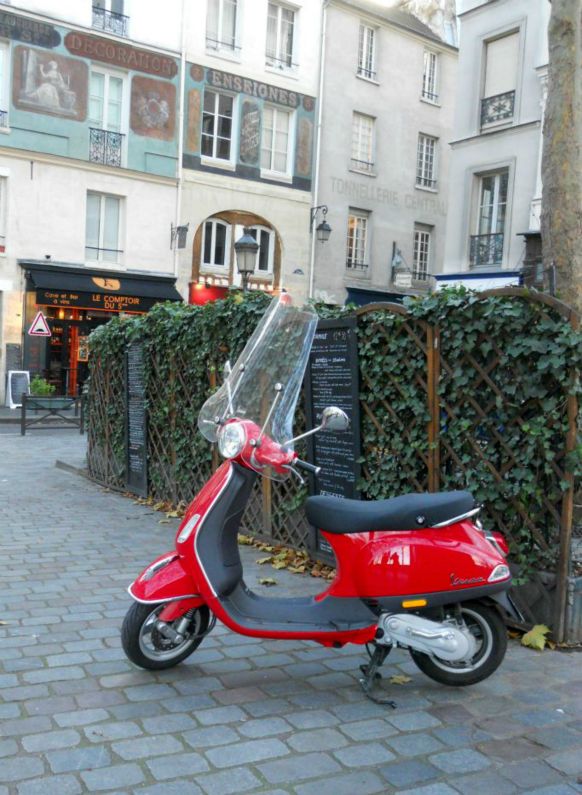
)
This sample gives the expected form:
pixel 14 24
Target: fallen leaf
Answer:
pixel 262 561
pixel 536 637
pixel 400 679
pixel 268 581
pixel 164 521
pixel 279 564
pixel 173 514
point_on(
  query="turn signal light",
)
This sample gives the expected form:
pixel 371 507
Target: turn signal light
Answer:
pixel 414 603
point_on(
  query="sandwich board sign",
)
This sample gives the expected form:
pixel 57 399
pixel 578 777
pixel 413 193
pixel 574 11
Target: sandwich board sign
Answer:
pixel 39 326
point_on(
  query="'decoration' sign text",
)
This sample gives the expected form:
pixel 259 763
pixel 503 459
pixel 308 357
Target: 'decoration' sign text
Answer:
pixel 113 52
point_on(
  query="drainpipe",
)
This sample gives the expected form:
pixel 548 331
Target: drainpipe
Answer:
pixel 180 170
pixel 315 197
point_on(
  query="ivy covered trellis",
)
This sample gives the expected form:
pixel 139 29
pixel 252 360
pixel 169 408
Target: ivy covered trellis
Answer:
pixel 457 390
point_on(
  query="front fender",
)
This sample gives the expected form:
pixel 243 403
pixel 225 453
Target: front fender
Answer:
pixel 164 580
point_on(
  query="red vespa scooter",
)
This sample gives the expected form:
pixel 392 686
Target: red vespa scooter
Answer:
pixel 414 571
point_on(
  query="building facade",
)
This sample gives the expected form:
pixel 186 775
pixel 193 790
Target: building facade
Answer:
pixel 88 162
pixel 493 226
pixel 388 92
pixel 251 82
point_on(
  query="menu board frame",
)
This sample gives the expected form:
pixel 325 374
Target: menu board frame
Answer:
pixel 136 425
pixel 343 333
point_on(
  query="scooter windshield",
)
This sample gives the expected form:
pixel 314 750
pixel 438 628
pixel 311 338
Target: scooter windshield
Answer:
pixel 266 379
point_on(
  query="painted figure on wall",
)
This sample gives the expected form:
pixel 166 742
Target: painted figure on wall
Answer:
pixel 49 83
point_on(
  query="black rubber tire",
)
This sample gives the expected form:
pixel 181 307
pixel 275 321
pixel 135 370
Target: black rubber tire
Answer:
pixel 490 629
pixel 132 633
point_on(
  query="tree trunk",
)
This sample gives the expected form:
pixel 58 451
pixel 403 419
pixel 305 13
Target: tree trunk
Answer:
pixel 562 153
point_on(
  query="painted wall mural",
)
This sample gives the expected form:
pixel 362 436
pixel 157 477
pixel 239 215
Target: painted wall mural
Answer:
pixel 45 82
pixel 28 30
pixel 250 133
pixel 194 103
pixel 153 108
pixel 304 147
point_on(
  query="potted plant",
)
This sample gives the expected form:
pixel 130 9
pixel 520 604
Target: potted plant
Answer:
pixel 43 394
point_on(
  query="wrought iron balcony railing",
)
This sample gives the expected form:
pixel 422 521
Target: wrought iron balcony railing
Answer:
pixel 105 147
pixel 3 118
pixel 486 249
pixel 279 63
pixel 363 72
pixel 362 165
pixel 219 44
pixel 430 95
pixel 93 253
pixel 356 265
pixel 110 21
pixel 497 108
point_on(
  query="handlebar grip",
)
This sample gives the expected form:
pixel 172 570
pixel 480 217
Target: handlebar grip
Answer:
pixel 305 465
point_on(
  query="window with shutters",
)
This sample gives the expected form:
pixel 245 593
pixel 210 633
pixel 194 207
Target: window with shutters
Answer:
pixel 367 52
pixel 426 161
pixel 357 241
pixel 363 143
pixel 280 36
pixel 221 25
pixel 430 77
pixel 501 63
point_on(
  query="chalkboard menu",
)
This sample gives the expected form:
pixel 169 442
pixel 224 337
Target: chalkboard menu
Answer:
pixel 332 380
pixel 136 479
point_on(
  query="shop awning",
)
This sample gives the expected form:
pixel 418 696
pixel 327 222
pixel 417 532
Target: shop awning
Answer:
pixel 65 285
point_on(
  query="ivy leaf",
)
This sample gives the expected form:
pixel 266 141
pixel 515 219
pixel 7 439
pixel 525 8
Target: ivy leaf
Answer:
pixel 536 637
pixel 268 581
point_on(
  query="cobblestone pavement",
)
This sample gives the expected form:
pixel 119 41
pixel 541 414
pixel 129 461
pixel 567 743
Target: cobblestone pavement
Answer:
pixel 241 716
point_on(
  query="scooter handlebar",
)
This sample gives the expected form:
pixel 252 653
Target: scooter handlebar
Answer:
pixel 306 466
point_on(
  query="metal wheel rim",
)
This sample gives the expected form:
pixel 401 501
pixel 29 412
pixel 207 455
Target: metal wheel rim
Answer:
pixel 484 649
pixel 146 643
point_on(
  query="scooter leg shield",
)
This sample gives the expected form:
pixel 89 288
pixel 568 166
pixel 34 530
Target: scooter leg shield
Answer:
pixel 165 580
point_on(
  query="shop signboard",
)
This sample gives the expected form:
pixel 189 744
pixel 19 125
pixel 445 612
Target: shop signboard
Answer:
pixel 136 446
pixel 332 380
pixel 107 302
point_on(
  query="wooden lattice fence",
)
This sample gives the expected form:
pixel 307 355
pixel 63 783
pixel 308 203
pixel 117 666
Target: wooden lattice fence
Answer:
pixel 442 407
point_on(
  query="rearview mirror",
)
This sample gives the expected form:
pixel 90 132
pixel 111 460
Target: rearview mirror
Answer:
pixel 334 419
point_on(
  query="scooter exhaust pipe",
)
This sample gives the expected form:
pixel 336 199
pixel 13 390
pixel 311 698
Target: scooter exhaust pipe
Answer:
pixel 447 641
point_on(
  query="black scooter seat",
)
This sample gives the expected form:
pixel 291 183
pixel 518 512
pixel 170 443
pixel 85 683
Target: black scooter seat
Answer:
pixel 408 512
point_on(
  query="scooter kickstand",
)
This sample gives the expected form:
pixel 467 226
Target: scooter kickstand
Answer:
pixel 372 676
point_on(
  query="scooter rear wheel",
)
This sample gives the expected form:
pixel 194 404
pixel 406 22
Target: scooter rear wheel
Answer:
pixel 147 647
pixel 489 631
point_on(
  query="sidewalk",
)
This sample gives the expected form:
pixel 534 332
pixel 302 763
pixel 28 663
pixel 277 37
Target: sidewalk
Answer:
pixel 241 715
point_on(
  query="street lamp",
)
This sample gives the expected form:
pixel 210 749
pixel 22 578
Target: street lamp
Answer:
pixel 246 249
pixel 323 230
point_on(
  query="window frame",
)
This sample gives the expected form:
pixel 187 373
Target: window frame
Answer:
pixel 420 230
pixel 214 159
pixel 496 248
pixel 426 162
pixel 357 163
pixel 430 86
pixel 352 264
pixel 213 266
pixel 276 62
pixel 101 234
pixel 367 72
pixel 269 173
pixel 5 81
pixel 510 117
pixel 219 45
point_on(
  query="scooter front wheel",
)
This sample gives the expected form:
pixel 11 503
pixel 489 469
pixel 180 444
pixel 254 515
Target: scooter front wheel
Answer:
pixel 146 646
pixel 488 629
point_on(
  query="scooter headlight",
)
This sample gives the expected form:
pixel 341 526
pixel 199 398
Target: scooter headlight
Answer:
pixel 231 440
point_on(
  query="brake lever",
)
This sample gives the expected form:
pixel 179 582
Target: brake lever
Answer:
pixel 295 472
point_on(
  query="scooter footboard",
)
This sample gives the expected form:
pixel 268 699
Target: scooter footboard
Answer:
pixel 165 580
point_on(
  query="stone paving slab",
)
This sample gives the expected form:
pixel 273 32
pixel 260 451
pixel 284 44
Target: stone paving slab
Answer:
pixel 241 715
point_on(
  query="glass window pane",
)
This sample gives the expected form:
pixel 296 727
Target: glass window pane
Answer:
pixel 228 23
pixel 220 244
pixel 224 127
pixel 209 101
pixel 223 149
pixel 111 224
pixel 225 105
pixel 212 21
pixel 272 19
pixel 117 6
pixel 96 95
pixel 206 258
pixel 92 225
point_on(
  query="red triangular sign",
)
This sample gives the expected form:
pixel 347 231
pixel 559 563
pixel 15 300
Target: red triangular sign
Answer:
pixel 39 327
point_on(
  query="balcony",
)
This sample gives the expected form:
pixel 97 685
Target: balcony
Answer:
pixel 365 166
pixel 429 95
pixel 219 44
pixel 285 63
pixel 425 182
pixel 486 250
pixel 110 22
pixel 369 74
pixel 95 254
pixel 356 265
pixel 105 147
pixel 497 109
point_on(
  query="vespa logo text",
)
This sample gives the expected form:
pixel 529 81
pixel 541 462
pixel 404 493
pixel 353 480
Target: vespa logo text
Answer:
pixel 469 581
